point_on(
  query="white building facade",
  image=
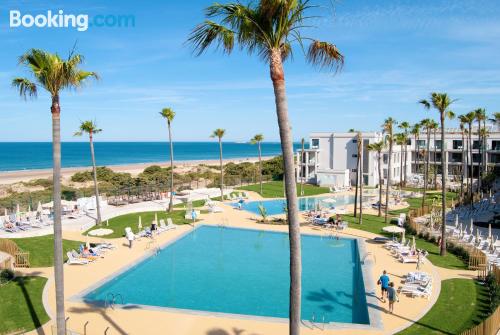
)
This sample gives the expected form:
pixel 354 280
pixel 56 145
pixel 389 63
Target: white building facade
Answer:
pixel 331 158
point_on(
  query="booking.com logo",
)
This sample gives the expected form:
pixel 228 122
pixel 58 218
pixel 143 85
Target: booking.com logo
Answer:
pixel 81 22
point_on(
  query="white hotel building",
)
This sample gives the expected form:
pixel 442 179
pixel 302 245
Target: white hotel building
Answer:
pixel 331 158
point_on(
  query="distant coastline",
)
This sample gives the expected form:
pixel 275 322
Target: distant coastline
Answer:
pixel 36 157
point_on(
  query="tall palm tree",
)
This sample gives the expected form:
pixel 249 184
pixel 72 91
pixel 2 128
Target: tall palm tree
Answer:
pixel 90 128
pixel 269 28
pixel 356 183
pixel 257 139
pixel 219 134
pixel 388 128
pixel 425 123
pixel 301 166
pixel 405 126
pixel 168 114
pixel 441 102
pixel 378 147
pixel 480 117
pixel 400 140
pixel 495 119
pixel 54 74
pixel 415 131
pixel 433 126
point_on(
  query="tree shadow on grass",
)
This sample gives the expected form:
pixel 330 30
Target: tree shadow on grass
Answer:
pixel 21 282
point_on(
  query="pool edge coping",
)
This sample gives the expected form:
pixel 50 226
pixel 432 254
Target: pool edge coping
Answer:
pixel 373 312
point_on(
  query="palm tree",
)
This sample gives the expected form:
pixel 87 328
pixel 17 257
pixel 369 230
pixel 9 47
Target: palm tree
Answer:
pixel 441 102
pixel 378 147
pixel 425 123
pixel 219 134
pixel 405 126
pixel 388 129
pixel 400 140
pixel 169 115
pixel 269 28
pixel 90 128
pixel 495 119
pixel 301 167
pixel 257 139
pixel 54 74
pixel 356 183
pixel 415 131
pixel 434 126
pixel 480 117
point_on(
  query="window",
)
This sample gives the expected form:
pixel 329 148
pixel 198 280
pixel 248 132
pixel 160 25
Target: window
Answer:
pixel 315 143
pixel 437 145
pixel 475 144
pixel 457 145
pixel 421 144
pixel 385 158
pixel 355 141
pixel 495 145
pixel 354 170
pixel 385 173
pixel 354 155
pixel 408 142
pixel 456 157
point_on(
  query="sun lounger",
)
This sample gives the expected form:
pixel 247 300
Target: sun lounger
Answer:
pixel 75 261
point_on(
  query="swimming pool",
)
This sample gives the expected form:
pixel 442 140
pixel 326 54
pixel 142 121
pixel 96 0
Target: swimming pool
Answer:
pixel 276 206
pixel 246 272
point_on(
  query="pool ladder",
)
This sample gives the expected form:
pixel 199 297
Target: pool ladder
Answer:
pixel 314 323
pixel 153 246
pixel 111 302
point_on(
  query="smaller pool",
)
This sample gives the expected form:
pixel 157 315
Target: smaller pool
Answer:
pixel 277 206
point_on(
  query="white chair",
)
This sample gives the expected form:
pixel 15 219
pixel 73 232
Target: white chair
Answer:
pixel 72 260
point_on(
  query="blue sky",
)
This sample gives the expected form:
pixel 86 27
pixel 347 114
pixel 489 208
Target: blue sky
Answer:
pixel 396 52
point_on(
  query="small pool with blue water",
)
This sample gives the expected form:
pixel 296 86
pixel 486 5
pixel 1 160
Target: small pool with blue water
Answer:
pixel 246 272
pixel 277 206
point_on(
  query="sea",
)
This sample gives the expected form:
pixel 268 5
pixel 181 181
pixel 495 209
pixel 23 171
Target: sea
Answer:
pixel 18 156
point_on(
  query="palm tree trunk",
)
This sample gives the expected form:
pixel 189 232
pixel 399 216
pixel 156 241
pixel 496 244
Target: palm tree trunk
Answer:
pixel 96 187
pixel 471 163
pixel 466 172
pixel 479 167
pixel 435 163
pixel 58 249
pixel 401 168
pixel 443 191
pixel 361 183
pixel 171 202
pixel 388 179
pixel 278 79
pixel 426 171
pixel 463 170
pixel 380 183
pixel 302 169
pixel 221 171
pixel 357 185
pixel 406 161
pixel 260 168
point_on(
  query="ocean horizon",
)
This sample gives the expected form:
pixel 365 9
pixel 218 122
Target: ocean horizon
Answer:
pixel 22 156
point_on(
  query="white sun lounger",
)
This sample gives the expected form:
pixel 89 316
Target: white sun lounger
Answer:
pixel 72 260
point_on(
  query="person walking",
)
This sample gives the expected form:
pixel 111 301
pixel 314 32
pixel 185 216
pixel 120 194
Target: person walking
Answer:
pixel 392 296
pixel 383 281
pixel 130 238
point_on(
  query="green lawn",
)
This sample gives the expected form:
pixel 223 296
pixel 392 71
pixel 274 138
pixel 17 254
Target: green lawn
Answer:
pixel 119 223
pixel 41 249
pixel 21 307
pixel 374 224
pixel 417 202
pixel 274 189
pixel 462 304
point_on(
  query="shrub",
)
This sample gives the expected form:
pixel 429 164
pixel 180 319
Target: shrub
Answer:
pixel 6 275
pixel 493 291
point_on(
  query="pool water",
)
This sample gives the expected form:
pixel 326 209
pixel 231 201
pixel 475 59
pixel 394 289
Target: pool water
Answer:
pixel 243 271
pixel 277 206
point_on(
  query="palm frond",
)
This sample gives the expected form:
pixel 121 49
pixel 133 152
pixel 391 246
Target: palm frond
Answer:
pixel 25 86
pixel 425 103
pixel 210 32
pixel 325 55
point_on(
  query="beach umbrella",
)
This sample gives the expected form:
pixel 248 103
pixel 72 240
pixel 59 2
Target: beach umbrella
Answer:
pixel 156 218
pixel 107 222
pixel 39 207
pixel 489 231
pixel 456 220
pixel 330 200
pixel 403 240
pixel 140 223
pixel 87 244
pixel 413 243
pixel 461 230
pixel 393 229
pixel 5 213
pixel 478 234
pixel 471 225
pixel 29 208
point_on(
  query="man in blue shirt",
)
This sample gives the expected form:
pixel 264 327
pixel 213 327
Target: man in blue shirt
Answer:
pixel 383 281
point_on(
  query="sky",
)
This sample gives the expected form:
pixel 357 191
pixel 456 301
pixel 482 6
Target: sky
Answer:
pixel 396 52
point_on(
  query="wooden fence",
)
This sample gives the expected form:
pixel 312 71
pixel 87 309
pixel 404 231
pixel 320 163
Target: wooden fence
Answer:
pixel 491 325
pixel 21 258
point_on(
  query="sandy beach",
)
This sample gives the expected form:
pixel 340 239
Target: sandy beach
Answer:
pixel 11 177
